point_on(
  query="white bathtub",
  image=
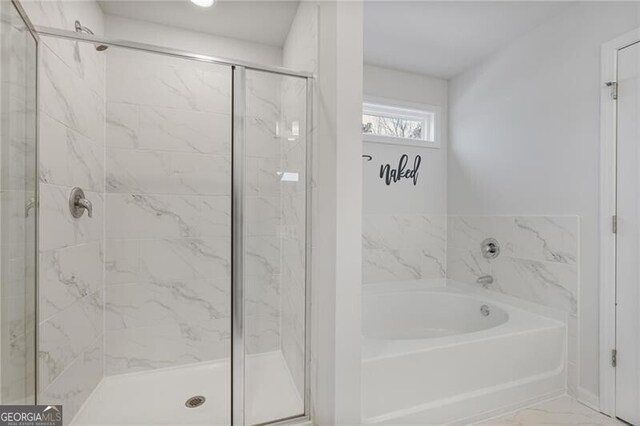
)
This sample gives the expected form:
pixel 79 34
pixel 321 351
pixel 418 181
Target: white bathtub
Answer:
pixel 438 355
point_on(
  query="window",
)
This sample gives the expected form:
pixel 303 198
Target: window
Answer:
pixel 385 122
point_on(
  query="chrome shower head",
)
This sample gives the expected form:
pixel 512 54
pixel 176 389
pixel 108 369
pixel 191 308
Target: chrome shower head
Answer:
pixel 82 29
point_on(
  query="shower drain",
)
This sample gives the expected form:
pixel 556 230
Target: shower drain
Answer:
pixel 195 401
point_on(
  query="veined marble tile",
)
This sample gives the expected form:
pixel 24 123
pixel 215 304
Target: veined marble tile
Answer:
pixel 380 265
pixel 262 311
pixel 18 381
pixel 549 238
pixel 547 283
pixel 50 13
pixel 20 227
pixel 262 255
pixel 155 172
pixel 75 384
pixel 403 247
pixel 85 63
pixel 65 336
pixel 187 258
pixel 468 232
pixel 168 82
pixel 466 265
pixel 293 268
pixel 167 216
pixel 293 338
pixel 69 101
pixel 545 238
pixel 18 314
pixel 58 228
pixel 122 125
pixel 404 232
pixel 68 158
pixel 167 345
pixel 67 275
pixel 147 304
pixel 262 216
pixel 294 160
pixel 538 259
pixel 294 209
pixel 269 183
pixel 185 131
pixel 262 138
pixel 264 95
pixel 121 261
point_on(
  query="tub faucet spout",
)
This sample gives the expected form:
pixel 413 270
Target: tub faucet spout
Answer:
pixel 485 280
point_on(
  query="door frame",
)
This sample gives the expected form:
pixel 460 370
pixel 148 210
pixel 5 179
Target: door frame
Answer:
pixel 608 187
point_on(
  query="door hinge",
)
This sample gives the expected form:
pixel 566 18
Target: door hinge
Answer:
pixel 614 224
pixel 614 357
pixel 614 89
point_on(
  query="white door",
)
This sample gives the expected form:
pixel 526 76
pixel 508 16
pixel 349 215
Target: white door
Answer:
pixel 628 237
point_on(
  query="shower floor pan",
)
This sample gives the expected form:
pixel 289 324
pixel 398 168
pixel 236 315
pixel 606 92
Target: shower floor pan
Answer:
pixel 158 397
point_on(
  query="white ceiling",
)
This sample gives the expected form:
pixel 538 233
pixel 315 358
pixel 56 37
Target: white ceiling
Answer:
pixel 442 38
pixel 266 22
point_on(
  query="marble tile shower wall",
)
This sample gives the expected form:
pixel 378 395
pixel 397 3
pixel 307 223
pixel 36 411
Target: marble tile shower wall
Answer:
pixel 539 262
pixel 403 247
pixel 71 306
pixel 168 222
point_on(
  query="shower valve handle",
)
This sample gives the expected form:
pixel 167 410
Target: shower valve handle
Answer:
pixel 78 203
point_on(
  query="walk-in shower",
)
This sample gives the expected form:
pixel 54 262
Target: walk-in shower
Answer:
pixel 182 297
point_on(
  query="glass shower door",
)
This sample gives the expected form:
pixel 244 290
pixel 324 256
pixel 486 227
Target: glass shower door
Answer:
pixel 274 245
pixel 17 208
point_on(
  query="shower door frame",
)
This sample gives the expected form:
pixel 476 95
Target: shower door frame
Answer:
pixel 238 110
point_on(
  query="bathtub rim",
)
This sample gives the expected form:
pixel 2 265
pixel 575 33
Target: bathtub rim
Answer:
pixel 522 318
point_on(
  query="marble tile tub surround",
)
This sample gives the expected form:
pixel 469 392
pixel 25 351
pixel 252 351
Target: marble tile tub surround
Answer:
pixel 539 262
pixel 538 259
pixel 399 247
pixel 71 306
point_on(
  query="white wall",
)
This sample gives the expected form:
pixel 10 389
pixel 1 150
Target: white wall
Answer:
pixel 429 196
pixel 177 38
pixel 524 140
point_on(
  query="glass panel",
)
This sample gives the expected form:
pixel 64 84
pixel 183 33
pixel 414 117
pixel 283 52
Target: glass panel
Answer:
pixel 17 208
pixel 392 126
pixel 275 246
pixel 148 138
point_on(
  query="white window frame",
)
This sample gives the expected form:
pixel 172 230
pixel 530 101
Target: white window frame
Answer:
pixel 407 110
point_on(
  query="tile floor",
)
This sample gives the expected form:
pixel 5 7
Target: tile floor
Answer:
pixel 559 411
